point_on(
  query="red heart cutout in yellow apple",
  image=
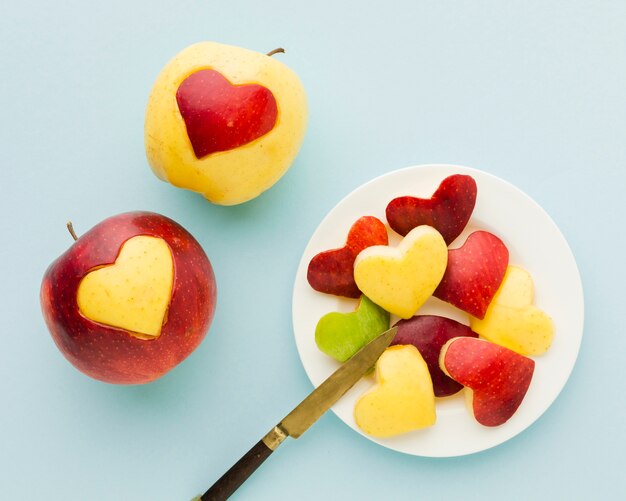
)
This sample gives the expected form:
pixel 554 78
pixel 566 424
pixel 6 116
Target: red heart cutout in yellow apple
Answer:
pixel 220 116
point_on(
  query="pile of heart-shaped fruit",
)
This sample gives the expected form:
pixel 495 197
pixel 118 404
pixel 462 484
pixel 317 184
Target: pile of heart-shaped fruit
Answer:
pixel 432 356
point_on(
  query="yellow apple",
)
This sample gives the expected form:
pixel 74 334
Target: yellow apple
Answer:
pixel 224 121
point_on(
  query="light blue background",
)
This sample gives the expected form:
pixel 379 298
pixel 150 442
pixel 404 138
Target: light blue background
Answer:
pixel 531 91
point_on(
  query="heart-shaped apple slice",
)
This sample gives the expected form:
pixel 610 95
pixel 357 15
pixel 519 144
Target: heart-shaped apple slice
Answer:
pixel 517 289
pixel 332 271
pixel 132 294
pixel 403 398
pixel 512 320
pixel 402 278
pixel 220 116
pixel 496 378
pixel 448 210
pixel 474 273
pixel 341 335
pixel 428 333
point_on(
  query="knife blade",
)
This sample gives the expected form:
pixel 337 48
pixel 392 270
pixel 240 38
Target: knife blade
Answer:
pixel 302 417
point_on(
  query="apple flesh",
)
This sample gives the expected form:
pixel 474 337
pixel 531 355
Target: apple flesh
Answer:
pixel 403 398
pixel 512 320
pixel 115 348
pixel 224 121
pixel 402 278
pixel 428 333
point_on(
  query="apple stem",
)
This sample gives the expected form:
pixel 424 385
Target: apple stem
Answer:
pixel 276 51
pixel 70 228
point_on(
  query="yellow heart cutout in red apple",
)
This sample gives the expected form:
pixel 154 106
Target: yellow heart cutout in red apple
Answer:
pixel 133 293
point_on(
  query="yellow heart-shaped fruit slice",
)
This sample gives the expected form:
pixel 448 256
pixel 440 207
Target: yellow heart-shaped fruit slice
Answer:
pixel 403 399
pixel 512 320
pixel 400 279
pixel 133 293
pixel 516 290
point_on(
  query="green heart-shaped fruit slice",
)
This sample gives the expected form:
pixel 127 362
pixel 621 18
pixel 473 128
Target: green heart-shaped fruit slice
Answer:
pixel 341 335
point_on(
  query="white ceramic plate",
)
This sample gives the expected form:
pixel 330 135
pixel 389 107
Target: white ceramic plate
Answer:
pixel 534 242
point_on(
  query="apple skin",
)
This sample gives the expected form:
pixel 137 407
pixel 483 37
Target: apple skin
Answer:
pixel 474 272
pixel 332 271
pixel 341 335
pixel 496 378
pixel 111 354
pixel 220 116
pixel 448 210
pixel 428 333
pixel 242 172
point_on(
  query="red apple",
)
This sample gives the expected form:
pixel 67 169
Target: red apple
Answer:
pixel 448 210
pixel 428 333
pixel 332 271
pixel 220 116
pixel 474 273
pixel 496 378
pixel 130 268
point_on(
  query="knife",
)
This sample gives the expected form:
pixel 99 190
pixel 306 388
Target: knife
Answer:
pixel 302 417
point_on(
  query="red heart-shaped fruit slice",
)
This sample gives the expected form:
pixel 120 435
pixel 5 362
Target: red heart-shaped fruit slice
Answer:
pixel 474 273
pixel 220 116
pixel 497 377
pixel 428 333
pixel 448 210
pixel 332 271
